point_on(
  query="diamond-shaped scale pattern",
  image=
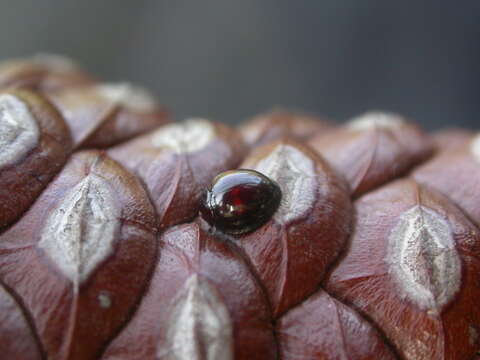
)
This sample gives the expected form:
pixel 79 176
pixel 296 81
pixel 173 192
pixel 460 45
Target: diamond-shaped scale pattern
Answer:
pixel 372 253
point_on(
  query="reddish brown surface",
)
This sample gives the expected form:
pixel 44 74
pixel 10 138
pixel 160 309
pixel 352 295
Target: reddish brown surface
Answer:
pixel 273 125
pixel 22 183
pixel 455 174
pixel 324 328
pixel 451 139
pixel 291 259
pixel 371 157
pixel 176 180
pixel 26 74
pixel 186 250
pixel 96 122
pixel 21 75
pixel 69 320
pixel 364 279
pixel 265 284
pixel 18 340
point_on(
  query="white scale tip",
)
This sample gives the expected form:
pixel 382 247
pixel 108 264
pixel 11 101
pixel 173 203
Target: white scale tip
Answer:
pixel 19 131
pixel 376 120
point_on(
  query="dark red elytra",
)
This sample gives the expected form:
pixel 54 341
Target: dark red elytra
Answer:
pixel 240 201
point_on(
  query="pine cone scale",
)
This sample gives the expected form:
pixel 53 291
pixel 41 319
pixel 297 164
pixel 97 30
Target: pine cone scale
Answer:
pixel 372 252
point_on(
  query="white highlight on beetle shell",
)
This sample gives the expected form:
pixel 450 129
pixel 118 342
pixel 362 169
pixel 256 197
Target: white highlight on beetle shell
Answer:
pixel 423 259
pixel 19 132
pixel 475 147
pixel 189 136
pixel 295 174
pixel 376 120
pixel 131 97
pixel 200 327
pixel 79 233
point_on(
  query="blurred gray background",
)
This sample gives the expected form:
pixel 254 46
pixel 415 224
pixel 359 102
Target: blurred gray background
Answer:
pixel 229 59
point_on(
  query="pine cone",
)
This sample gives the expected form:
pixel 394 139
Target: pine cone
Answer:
pixel 355 241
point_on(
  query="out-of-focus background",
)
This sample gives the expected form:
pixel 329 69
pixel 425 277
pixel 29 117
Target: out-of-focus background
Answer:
pixel 229 59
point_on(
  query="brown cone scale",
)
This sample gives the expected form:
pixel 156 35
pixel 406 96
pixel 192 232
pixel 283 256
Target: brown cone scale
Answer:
pixel 73 258
pixel 195 269
pixel 42 72
pixel 33 163
pixel 411 268
pixel 324 328
pixel 456 174
pixel 373 149
pixel 291 252
pixel 103 115
pixel 105 258
pixel 451 139
pixel 277 123
pixel 18 339
pixel 177 162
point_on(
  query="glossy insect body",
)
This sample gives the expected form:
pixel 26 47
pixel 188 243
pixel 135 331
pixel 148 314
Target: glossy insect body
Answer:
pixel 240 201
